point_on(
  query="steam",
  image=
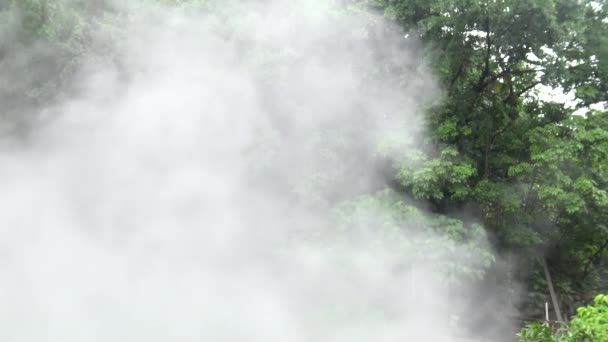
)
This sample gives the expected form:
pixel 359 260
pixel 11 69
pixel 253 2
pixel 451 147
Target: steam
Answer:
pixel 187 191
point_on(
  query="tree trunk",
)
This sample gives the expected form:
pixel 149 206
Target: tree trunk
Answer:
pixel 554 300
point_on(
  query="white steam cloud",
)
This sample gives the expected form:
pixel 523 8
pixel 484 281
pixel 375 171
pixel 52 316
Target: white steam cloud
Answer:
pixel 183 194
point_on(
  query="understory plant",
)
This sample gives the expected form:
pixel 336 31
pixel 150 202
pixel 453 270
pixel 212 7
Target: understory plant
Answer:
pixel 589 325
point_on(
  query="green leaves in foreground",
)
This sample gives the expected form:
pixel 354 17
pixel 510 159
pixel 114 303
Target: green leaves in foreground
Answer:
pixel 589 325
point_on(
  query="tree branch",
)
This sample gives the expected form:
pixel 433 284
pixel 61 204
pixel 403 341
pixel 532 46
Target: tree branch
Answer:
pixel 486 70
pixel 457 75
pixel 520 93
pixel 523 91
pixel 488 149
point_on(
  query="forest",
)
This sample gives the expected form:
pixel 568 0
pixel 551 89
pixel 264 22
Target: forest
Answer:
pixel 466 140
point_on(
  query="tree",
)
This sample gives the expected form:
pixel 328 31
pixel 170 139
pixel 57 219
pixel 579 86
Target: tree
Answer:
pixel 529 168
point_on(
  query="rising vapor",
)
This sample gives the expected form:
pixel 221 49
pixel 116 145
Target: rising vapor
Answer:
pixel 187 191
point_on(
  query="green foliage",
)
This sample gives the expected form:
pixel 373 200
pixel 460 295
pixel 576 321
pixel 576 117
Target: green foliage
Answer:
pixel 434 179
pixel 537 332
pixel 589 324
pixel 534 172
pixel 457 251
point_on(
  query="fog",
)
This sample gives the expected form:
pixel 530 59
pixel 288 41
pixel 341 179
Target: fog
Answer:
pixel 187 189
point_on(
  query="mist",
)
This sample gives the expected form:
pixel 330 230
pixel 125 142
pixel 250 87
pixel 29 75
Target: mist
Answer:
pixel 190 188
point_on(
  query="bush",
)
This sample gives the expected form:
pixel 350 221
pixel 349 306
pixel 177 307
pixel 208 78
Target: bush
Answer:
pixel 589 325
pixel 591 322
pixel 536 332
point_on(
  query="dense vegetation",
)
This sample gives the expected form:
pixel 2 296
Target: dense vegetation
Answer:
pixel 529 171
pixel 589 324
pixel 534 171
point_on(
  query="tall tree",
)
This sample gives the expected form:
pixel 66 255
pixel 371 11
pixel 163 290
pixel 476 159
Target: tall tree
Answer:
pixel 529 168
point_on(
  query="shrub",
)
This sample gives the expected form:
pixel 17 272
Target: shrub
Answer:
pixel 589 325
pixel 591 322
